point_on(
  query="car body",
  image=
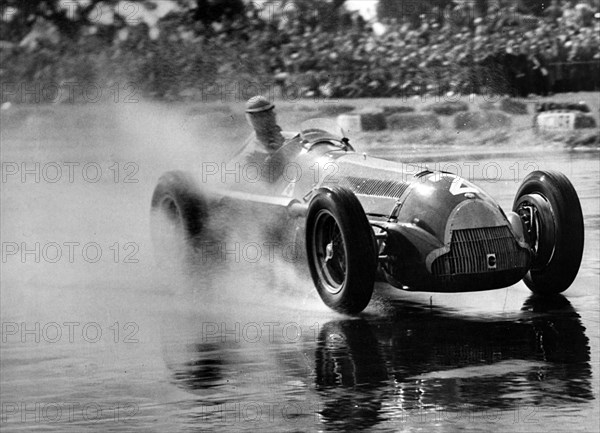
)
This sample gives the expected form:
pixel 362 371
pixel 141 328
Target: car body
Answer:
pixel 361 216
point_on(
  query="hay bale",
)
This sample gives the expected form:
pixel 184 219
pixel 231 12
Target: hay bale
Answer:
pixel 365 120
pixel 334 109
pixel 215 119
pixel 302 108
pixel 405 121
pixel 447 108
pixel 487 105
pixel 191 93
pixel 15 117
pixel 372 119
pixel 395 109
pixel 513 106
pixel 350 123
pixel 583 120
pixel 581 106
pixel 481 120
pixel 200 110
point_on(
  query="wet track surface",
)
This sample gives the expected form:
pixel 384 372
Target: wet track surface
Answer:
pixel 111 342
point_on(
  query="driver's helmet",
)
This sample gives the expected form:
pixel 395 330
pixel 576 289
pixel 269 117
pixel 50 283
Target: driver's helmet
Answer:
pixel 260 114
pixel 257 104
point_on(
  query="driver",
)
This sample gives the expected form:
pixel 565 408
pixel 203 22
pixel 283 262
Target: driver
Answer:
pixel 267 138
pixel 260 114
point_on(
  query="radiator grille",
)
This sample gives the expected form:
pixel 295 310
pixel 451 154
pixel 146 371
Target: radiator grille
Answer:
pixel 382 188
pixel 469 249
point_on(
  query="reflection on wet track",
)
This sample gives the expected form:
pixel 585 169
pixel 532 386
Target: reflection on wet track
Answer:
pixel 251 347
pixel 413 364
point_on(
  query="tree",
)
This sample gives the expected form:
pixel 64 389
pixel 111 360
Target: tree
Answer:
pixel 408 9
pixel 534 7
pixel 68 16
pixel 313 12
pixel 411 9
pixel 209 11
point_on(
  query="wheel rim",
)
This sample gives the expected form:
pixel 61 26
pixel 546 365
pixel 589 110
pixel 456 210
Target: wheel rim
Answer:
pixel 329 252
pixel 536 212
pixel 170 209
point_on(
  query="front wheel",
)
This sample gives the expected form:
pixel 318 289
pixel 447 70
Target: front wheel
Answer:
pixel 549 207
pixel 340 250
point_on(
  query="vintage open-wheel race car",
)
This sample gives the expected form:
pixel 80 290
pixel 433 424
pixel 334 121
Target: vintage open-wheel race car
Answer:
pixel 359 218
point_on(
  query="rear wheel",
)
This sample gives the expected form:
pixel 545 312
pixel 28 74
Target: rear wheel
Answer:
pixel 340 250
pixel 549 207
pixel 178 214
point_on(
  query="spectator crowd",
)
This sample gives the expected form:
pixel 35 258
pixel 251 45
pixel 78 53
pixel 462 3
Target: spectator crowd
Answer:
pixel 454 50
pixel 451 50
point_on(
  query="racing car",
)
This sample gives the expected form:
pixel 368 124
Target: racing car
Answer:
pixel 361 218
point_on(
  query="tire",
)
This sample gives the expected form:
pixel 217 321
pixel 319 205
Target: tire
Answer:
pixel 179 212
pixel 560 335
pixel 555 230
pixel 340 250
pixel 349 363
pixel 348 356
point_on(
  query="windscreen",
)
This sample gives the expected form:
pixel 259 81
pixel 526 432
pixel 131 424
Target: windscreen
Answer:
pixel 321 129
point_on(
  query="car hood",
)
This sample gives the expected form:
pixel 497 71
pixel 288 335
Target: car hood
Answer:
pixel 437 202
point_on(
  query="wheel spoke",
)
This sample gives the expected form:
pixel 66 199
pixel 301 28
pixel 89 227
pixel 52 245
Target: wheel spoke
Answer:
pixel 330 254
pixel 332 231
